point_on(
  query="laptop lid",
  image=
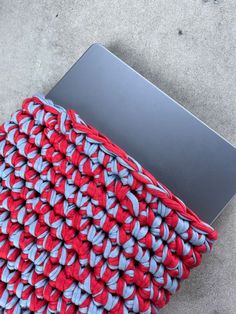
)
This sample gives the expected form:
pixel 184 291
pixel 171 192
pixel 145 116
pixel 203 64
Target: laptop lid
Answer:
pixel 193 161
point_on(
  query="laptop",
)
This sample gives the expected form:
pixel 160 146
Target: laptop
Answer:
pixel 193 161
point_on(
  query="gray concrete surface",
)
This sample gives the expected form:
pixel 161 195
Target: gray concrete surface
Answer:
pixel 186 47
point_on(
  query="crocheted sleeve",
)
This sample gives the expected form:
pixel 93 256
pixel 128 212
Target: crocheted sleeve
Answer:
pixel 83 227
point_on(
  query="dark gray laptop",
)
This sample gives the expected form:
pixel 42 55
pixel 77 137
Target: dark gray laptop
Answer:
pixel 193 161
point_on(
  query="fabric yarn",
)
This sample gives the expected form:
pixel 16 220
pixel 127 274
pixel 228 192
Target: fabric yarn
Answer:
pixel 83 227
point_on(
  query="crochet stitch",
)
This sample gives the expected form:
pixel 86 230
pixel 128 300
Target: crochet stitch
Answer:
pixel 83 227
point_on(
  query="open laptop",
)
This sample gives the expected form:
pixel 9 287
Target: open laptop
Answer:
pixel 193 161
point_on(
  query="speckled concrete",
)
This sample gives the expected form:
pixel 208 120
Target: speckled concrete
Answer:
pixel 186 47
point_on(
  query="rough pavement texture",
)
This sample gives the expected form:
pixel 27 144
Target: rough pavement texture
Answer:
pixel 186 47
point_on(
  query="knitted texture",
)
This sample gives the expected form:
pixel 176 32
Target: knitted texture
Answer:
pixel 83 227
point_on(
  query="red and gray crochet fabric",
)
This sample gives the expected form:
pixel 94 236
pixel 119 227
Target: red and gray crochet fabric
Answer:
pixel 83 227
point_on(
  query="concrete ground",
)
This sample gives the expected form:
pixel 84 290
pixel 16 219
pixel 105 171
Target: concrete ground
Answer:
pixel 186 47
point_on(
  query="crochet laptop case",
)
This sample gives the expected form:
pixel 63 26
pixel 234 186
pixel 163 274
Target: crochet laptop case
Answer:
pixel 83 227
